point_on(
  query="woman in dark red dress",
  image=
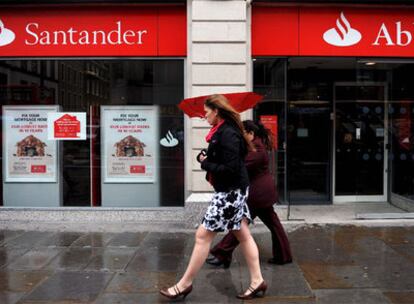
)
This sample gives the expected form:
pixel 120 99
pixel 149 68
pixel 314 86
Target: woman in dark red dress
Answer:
pixel 262 196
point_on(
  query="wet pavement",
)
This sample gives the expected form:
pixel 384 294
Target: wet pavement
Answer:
pixel 332 264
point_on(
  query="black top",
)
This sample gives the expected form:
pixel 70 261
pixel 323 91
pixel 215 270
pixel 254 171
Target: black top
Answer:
pixel 225 160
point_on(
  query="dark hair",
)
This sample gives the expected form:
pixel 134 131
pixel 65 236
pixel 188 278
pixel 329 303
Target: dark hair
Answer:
pixel 260 131
pixel 228 113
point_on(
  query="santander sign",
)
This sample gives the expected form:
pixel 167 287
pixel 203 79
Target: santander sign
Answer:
pixel 6 36
pixel 75 36
pixel 343 35
pixel 110 31
pixel 332 31
pixel 36 35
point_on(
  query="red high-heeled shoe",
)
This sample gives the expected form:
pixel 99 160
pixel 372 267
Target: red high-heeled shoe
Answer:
pixel 177 291
pixel 254 293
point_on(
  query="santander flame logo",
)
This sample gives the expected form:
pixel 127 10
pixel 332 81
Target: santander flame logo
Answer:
pixel 343 34
pixel 6 36
pixel 169 140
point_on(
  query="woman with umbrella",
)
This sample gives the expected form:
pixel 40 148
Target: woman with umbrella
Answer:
pixel 262 196
pixel 228 211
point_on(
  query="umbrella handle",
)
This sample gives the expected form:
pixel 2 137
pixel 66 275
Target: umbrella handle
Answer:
pixel 203 152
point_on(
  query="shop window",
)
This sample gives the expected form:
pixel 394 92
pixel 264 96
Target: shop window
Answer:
pixel 142 165
pixel 34 66
pixel 270 81
pixel 23 65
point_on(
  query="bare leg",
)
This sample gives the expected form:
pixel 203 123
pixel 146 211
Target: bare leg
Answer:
pixel 203 239
pixel 251 254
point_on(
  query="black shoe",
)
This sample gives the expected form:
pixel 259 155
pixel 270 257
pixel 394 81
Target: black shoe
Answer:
pixel 278 262
pixel 217 262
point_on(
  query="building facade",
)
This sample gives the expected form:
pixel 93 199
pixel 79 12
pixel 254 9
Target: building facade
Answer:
pixel 335 79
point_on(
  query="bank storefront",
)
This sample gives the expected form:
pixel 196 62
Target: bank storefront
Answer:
pixel 89 97
pixel 338 83
pixel 89 100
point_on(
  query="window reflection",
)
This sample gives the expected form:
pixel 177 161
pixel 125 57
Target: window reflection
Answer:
pixel 85 86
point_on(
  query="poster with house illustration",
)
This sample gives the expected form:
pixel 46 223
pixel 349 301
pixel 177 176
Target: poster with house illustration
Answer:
pixel 129 144
pixel 67 126
pixel 29 155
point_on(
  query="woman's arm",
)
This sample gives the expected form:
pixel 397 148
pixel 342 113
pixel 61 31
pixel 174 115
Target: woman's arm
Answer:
pixel 253 159
pixel 230 145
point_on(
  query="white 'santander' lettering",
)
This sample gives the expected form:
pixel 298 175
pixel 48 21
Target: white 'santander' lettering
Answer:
pixel 73 36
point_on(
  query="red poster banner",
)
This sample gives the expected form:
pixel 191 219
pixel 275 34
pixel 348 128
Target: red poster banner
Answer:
pixel 137 169
pixel 108 31
pixel 66 126
pixel 270 122
pixel 38 169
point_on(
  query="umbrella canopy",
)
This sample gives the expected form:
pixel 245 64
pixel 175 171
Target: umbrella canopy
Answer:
pixel 194 107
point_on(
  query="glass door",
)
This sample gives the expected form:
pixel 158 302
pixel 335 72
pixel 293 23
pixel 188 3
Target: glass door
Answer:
pixel 360 141
pixel 270 81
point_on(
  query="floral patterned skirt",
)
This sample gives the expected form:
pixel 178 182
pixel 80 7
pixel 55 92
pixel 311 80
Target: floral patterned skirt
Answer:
pixel 226 211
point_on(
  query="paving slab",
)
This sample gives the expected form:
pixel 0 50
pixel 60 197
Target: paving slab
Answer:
pixel 389 269
pixel 127 239
pixel 21 281
pixel 9 254
pixel 34 259
pixel 10 297
pixel 28 239
pixel 283 281
pixel 94 239
pixel 70 286
pixel 6 235
pixel 402 297
pixel 73 259
pixel 216 286
pixel 111 259
pixel 141 282
pixel 161 243
pixel 116 298
pixel 348 296
pixel 407 250
pixel 323 276
pixel 61 239
pixel 147 261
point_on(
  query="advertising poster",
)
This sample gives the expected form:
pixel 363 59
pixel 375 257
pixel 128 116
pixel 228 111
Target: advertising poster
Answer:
pixel 66 126
pixel 270 122
pixel 28 154
pixel 129 141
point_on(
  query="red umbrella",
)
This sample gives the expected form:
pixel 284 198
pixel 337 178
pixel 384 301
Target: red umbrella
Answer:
pixel 194 107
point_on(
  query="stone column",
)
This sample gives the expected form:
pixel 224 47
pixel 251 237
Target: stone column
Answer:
pixel 218 61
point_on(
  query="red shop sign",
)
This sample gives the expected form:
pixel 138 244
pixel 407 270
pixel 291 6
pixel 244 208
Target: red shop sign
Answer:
pixel 275 31
pixel 93 31
pixel 67 127
pixel 335 31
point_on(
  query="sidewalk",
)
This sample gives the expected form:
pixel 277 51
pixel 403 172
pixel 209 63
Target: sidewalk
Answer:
pixel 332 264
pixel 72 219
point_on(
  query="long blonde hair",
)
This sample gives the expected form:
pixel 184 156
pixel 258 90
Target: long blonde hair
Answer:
pixel 228 113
